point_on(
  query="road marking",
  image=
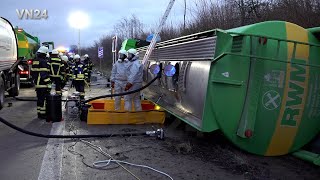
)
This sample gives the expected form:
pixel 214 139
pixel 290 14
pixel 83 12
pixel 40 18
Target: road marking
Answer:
pixel 52 160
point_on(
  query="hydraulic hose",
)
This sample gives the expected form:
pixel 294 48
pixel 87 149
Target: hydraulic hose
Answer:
pixel 33 99
pixel 98 97
pixel 122 94
pixel 80 136
pixel 68 136
pixel 25 99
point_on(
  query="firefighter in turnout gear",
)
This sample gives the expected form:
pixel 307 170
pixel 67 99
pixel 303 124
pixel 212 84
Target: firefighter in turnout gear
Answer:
pixel 71 66
pixel 89 65
pixel 57 70
pixel 67 70
pixel 41 75
pixel 79 72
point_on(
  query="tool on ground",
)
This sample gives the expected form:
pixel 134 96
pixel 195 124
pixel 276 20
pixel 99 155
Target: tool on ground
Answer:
pixel 54 108
pixel 159 133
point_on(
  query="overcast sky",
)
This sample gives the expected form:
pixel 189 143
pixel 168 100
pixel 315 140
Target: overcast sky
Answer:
pixel 103 15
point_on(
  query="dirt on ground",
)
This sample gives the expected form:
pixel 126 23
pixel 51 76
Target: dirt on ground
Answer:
pixel 183 154
pixel 216 150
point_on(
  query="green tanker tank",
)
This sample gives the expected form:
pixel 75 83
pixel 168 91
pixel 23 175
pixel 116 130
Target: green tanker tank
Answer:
pixel 259 84
pixel 27 44
pixel 27 48
pixel 133 43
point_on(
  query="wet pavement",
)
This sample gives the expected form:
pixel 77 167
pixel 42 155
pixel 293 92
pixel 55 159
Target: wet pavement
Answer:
pixel 184 154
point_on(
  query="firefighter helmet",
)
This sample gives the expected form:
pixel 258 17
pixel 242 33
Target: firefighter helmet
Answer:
pixel 122 51
pixel 77 56
pixel 43 49
pixel 64 58
pixel 132 51
pixel 55 52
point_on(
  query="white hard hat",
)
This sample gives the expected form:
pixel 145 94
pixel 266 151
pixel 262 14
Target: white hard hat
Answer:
pixel 43 49
pixel 64 58
pixel 56 52
pixel 77 56
pixel 71 56
pixel 86 55
pixel 132 51
pixel 122 51
pixel 60 54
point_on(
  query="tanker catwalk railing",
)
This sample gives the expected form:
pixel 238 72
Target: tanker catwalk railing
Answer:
pixel 277 59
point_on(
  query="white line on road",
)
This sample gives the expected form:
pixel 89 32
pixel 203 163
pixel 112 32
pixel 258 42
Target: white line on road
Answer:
pixel 52 160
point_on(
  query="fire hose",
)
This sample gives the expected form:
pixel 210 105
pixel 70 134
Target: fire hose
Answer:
pixel 100 97
pixel 122 94
pixel 157 133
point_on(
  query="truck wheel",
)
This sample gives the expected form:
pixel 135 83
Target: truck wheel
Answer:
pixel 1 93
pixel 15 90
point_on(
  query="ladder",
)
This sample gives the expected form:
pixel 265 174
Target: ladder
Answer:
pixel 114 49
pixel 153 41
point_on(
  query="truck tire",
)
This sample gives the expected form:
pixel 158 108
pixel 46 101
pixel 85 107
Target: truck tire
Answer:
pixel 2 90
pixel 15 90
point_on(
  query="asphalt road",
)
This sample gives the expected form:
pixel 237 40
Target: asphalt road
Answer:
pixel 184 154
pixel 21 155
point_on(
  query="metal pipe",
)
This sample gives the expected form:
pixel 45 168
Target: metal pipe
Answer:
pixel 308 156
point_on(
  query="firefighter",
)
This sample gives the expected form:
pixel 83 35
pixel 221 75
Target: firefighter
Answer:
pixel 134 78
pixel 67 70
pixel 41 75
pixel 89 65
pixel 57 70
pixel 79 71
pixel 71 58
pixel 71 66
pixel 118 77
pixel 47 56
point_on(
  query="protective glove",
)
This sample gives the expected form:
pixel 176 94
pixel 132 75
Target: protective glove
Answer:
pixel 128 86
pixel 49 86
pixel 112 84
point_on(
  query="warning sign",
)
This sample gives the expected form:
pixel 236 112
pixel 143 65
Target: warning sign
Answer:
pixel 271 100
pixel 274 78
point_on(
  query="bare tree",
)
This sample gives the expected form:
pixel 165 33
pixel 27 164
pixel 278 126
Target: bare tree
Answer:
pixel 211 14
pixel 129 27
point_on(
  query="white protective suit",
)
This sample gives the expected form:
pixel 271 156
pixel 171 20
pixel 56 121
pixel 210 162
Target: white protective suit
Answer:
pixel 135 77
pixel 119 77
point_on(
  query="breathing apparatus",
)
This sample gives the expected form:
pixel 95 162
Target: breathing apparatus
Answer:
pixel 131 54
pixel 122 55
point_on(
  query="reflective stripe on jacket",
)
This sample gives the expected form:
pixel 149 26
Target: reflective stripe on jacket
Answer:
pixel 56 67
pixel 40 71
pixel 79 71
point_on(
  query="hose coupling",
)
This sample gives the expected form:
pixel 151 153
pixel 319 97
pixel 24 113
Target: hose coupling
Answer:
pixel 159 133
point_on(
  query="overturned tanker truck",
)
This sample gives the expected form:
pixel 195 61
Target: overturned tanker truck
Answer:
pixel 9 76
pixel 259 84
